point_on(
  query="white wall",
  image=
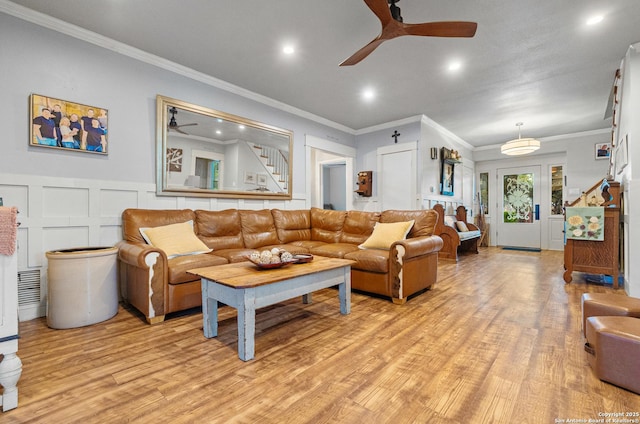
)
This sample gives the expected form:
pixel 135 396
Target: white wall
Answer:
pixel 575 152
pixel 582 169
pixel 428 134
pixel 434 135
pixel 127 88
pixel 629 129
pixel 72 199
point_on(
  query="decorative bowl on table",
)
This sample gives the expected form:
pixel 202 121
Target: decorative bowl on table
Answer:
pixel 270 259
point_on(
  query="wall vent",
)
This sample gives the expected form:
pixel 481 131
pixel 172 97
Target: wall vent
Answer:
pixel 28 287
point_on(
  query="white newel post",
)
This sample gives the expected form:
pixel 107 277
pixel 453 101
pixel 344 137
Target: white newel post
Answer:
pixel 10 365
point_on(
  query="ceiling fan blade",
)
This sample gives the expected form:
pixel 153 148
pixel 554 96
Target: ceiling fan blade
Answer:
pixel 187 125
pixel 180 131
pixel 363 52
pixel 381 9
pixel 442 29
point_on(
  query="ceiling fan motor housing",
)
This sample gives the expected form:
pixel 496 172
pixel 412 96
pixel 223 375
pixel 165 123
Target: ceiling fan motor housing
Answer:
pixel 395 11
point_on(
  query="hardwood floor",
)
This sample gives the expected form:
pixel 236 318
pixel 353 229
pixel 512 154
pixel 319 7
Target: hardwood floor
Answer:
pixel 497 340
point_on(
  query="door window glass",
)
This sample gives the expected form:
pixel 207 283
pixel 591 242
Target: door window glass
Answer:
pixel 484 191
pixel 518 198
pixel 556 190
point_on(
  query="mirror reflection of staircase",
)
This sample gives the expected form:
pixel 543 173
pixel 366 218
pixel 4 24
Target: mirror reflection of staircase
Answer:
pixel 275 164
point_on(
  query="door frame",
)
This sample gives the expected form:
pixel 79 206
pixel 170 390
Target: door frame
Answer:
pixel 313 169
pixel 548 221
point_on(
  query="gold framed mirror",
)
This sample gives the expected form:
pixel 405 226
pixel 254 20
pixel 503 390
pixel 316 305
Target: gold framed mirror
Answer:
pixel 203 152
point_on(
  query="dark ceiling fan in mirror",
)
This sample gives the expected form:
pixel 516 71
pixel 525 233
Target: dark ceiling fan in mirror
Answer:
pixel 173 123
pixel 392 26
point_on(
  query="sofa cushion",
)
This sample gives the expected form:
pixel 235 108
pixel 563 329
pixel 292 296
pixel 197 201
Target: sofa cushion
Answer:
pixel 234 255
pixel 179 266
pixel 333 250
pixel 326 225
pixel 450 220
pixel 292 225
pixel 467 235
pixel 373 260
pixel 306 244
pixel 358 226
pixel 424 220
pixel 386 233
pixel 220 229
pixel 294 248
pixel 258 228
pixel 175 239
pixel 461 226
pixel 133 219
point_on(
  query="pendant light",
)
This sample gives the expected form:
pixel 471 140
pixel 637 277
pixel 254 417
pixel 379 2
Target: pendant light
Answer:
pixel 520 146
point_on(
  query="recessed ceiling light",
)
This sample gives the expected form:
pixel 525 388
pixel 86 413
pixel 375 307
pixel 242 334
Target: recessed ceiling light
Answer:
pixel 288 49
pixel 595 20
pixel 218 132
pixel 241 126
pixel 368 94
pixel 455 66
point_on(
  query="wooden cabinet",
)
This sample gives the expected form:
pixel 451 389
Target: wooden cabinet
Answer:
pixel 597 257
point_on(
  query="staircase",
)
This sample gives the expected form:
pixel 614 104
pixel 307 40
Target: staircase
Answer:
pixel 275 163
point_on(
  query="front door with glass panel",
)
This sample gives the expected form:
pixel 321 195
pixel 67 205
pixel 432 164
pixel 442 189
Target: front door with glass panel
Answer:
pixel 518 217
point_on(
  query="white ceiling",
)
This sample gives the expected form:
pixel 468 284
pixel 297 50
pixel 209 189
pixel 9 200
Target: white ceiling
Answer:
pixel 535 62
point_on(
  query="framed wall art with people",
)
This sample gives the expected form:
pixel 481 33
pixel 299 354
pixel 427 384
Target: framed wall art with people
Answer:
pixel 66 125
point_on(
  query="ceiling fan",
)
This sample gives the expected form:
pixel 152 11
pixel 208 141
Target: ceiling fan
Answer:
pixel 173 124
pixel 393 26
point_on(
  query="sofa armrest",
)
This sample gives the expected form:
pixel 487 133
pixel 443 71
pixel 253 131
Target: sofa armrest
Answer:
pixel 472 227
pixel 419 246
pixel 135 253
pixel 405 258
pixel 144 278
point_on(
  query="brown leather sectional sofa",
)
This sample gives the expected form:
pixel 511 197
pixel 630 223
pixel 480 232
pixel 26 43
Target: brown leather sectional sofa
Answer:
pixel 157 286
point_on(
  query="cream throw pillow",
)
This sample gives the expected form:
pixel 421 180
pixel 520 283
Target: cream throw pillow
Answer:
pixel 385 234
pixel 175 239
pixel 462 226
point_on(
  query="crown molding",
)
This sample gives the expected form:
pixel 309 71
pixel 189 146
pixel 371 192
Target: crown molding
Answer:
pixel 423 119
pixel 387 125
pixel 433 124
pixel 57 25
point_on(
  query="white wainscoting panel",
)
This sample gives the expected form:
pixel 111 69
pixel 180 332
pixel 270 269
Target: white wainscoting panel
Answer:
pixel 65 213
pixel 66 202
pixel 556 233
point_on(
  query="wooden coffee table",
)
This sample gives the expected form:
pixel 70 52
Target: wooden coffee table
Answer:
pixel 246 287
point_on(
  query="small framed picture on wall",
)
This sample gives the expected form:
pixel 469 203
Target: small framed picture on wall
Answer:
pixel 249 177
pixel 603 150
pixel 447 179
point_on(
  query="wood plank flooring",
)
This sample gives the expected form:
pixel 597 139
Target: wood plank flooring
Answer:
pixel 497 340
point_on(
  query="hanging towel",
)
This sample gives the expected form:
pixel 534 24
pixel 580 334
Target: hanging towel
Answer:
pixel 8 230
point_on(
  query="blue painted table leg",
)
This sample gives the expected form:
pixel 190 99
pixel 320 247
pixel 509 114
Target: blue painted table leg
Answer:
pixel 247 326
pixel 209 313
pixel 344 291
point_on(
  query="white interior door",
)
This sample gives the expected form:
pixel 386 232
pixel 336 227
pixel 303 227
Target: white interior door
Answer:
pixel 518 217
pixel 397 176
